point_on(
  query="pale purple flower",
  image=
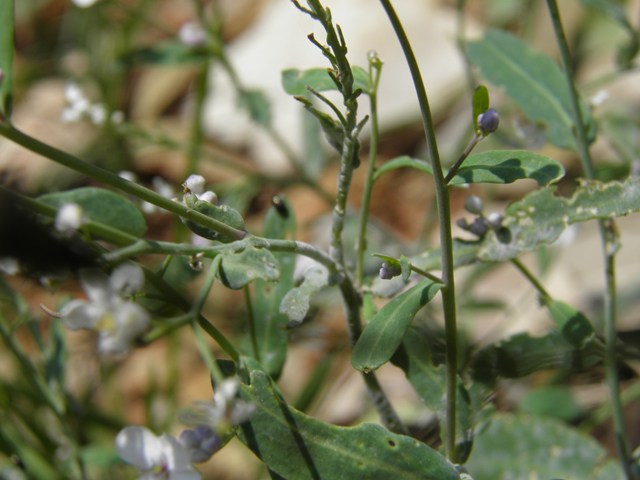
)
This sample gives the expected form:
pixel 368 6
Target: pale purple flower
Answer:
pixel 157 458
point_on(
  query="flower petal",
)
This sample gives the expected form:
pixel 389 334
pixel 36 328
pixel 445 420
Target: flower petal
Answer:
pixel 81 314
pixel 140 447
pixel 96 285
pixel 126 279
pixel 175 453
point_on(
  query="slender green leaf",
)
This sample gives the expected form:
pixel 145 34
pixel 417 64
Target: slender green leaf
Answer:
pixel 507 166
pixel 384 334
pixel 257 105
pixel 295 81
pixel 522 354
pixel 429 382
pixel 7 50
pixel 572 324
pixel 267 296
pixel 522 447
pixel 299 447
pixel 102 206
pixel 497 166
pixel 533 80
pixel 480 105
pixel 405 266
pixel 240 268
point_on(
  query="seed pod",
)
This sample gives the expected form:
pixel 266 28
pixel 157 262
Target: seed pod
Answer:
pixel 387 272
pixel 488 121
pixel 479 227
pixel 495 220
pixel 473 204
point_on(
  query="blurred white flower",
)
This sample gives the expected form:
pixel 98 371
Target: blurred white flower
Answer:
pixel 70 217
pixel 157 458
pixel 195 184
pixel 192 34
pixel 84 3
pixel 79 107
pixel 9 265
pixel 161 187
pixel 599 98
pixel 98 113
pixel 118 321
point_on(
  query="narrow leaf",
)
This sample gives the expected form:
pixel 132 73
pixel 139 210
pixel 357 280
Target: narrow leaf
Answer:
pixel 240 268
pixel 405 266
pixel 257 105
pixel 295 81
pixel 7 52
pixel 524 447
pixel 299 447
pixel 572 324
pixel 534 81
pixel 507 166
pixel 267 296
pixel 480 105
pixel 102 206
pixel 384 334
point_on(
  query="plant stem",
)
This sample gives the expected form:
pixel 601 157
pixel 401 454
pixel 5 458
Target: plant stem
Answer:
pixel 368 183
pixel 446 241
pixel 609 247
pixel 252 323
pixel 207 357
pixel 534 281
pixel 115 181
pixel 195 141
pixel 463 157
pixel 198 303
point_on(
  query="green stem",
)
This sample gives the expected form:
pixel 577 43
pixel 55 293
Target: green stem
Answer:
pixel 207 357
pixel 115 181
pixel 446 241
pixel 252 323
pixel 608 241
pixel 463 157
pixel 368 183
pixel 534 281
pixel 195 141
pixel 198 303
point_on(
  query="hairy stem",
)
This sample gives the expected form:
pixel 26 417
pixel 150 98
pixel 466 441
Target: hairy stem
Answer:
pixel 609 247
pixel 446 241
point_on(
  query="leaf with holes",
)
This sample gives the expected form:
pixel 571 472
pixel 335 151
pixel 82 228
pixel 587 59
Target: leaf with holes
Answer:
pixel 300 447
pixel 384 334
pixel 102 206
pixel 295 304
pixel 237 269
pixel 534 81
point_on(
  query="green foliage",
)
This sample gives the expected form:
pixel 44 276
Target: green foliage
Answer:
pixel 257 105
pixel 498 167
pixel 295 303
pixel 237 269
pixel 295 81
pixel 518 447
pixel 384 334
pixel 272 338
pixel 480 105
pixel 222 213
pixel 170 52
pixel 533 80
pixel 297 446
pixel 102 206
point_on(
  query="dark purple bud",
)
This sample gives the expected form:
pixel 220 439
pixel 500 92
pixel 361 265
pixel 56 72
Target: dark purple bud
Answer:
pixel 473 205
pixel 387 271
pixel 479 227
pixel 488 121
pixel 463 224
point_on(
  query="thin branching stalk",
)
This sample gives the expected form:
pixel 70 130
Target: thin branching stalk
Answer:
pixel 115 181
pixel 252 323
pixel 609 248
pixel 446 241
pixel 544 295
pixel 195 140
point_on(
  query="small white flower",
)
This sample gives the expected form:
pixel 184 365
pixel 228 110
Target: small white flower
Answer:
pixel 128 175
pixel 599 98
pixel 225 411
pixel 69 218
pixel 117 117
pixel 118 321
pixel 84 3
pixel 98 114
pixel 209 197
pixel 157 458
pixel 195 184
pixel 9 265
pixel 192 34
pixel 161 187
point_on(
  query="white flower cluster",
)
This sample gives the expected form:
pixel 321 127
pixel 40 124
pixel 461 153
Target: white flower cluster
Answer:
pixel 79 107
pixel 118 321
pixel 192 34
pixel 194 184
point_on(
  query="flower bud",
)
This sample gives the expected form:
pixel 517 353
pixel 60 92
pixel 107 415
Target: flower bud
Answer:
pixel 201 442
pixel 387 271
pixel 495 220
pixel 473 204
pixel 488 121
pixel 195 184
pixel 479 227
